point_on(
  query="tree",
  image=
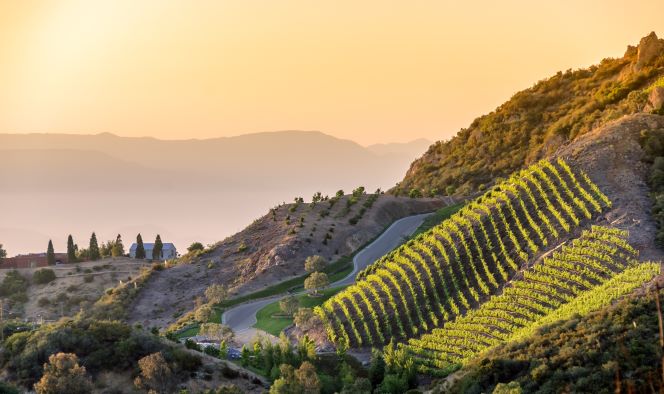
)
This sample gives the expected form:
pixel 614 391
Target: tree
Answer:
pixel 308 378
pixel 359 386
pixel 245 355
pixel 71 249
pixel 93 249
pixel 508 388
pixel 289 305
pixel 155 373
pixel 216 293
pixel 157 249
pixel 3 252
pixel 306 349
pixel 314 263
pixel 305 318
pixel 376 368
pixel 50 253
pixel 203 313
pixel 287 383
pixel 140 249
pixel 316 281
pixel 217 332
pixel 223 350
pixel 118 248
pixel 196 246
pixel 62 374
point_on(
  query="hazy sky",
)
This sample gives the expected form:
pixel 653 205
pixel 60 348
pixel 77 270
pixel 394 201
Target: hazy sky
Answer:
pixel 371 71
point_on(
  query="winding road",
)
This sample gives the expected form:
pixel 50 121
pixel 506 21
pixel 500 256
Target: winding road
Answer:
pixel 242 317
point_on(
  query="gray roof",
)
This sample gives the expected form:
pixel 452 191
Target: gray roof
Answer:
pixel 167 245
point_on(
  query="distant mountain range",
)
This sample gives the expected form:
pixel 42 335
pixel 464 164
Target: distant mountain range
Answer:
pixel 284 160
pixel 54 184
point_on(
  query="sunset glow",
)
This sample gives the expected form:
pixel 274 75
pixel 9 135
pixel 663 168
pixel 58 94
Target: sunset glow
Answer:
pixel 369 71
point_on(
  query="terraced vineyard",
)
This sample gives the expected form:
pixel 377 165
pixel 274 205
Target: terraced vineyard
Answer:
pixel 584 275
pixel 462 262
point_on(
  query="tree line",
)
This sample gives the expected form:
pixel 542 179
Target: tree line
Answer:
pixel 96 251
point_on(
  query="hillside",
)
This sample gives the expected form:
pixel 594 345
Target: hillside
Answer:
pixel 565 236
pixel 74 287
pixel 535 122
pixel 273 249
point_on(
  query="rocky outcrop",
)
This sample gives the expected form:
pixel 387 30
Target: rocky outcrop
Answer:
pixel 650 47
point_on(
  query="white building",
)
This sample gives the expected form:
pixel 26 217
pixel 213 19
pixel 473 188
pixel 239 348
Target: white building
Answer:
pixel 167 252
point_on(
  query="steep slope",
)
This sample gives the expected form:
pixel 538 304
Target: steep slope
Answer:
pixel 536 255
pixel 615 349
pixel 537 121
pixel 273 249
pixel 459 264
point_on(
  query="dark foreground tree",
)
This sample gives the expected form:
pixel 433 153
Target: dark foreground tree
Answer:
pixel 117 249
pixel 157 249
pixel 71 249
pixel 50 253
pixel 93 249
pixel 140 249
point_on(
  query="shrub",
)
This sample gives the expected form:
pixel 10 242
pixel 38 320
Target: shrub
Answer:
pixel 62 374
pixel 243 247
pixel 189 344
pixel 13 283
pixel 43 276
pixel 43 301
pixel 211 351
pixel 196 246
pixel 88 278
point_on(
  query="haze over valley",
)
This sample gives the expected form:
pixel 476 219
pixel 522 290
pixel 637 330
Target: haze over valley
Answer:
pixel 186 190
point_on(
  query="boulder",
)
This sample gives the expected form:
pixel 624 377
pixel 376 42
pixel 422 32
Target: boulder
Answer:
pixel 656 99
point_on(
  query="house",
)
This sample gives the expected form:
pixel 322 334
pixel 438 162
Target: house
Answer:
pixel 32 260
pixel 167 252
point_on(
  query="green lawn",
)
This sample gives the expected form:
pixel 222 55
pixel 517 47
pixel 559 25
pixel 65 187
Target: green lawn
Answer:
pixel 266 321
pixel 192 330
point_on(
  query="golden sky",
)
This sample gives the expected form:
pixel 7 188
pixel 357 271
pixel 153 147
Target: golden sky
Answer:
pixel 371 71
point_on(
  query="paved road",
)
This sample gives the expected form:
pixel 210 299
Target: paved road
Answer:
pixel 242 317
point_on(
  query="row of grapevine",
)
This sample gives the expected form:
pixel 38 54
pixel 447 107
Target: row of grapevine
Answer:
pixel 465 259
pixel 586 270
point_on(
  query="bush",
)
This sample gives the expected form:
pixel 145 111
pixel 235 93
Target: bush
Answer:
pixel 88 278
pixel 195 247
pixel 189 344
pixel 211 351
pixel 44 302
pixel 13 283
pixel 43 276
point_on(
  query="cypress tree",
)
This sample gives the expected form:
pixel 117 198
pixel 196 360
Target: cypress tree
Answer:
pixel 50 253
pixel 71 249
pixel 93 250
pixel 157 250
pixel 118 248
pixel 140 249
